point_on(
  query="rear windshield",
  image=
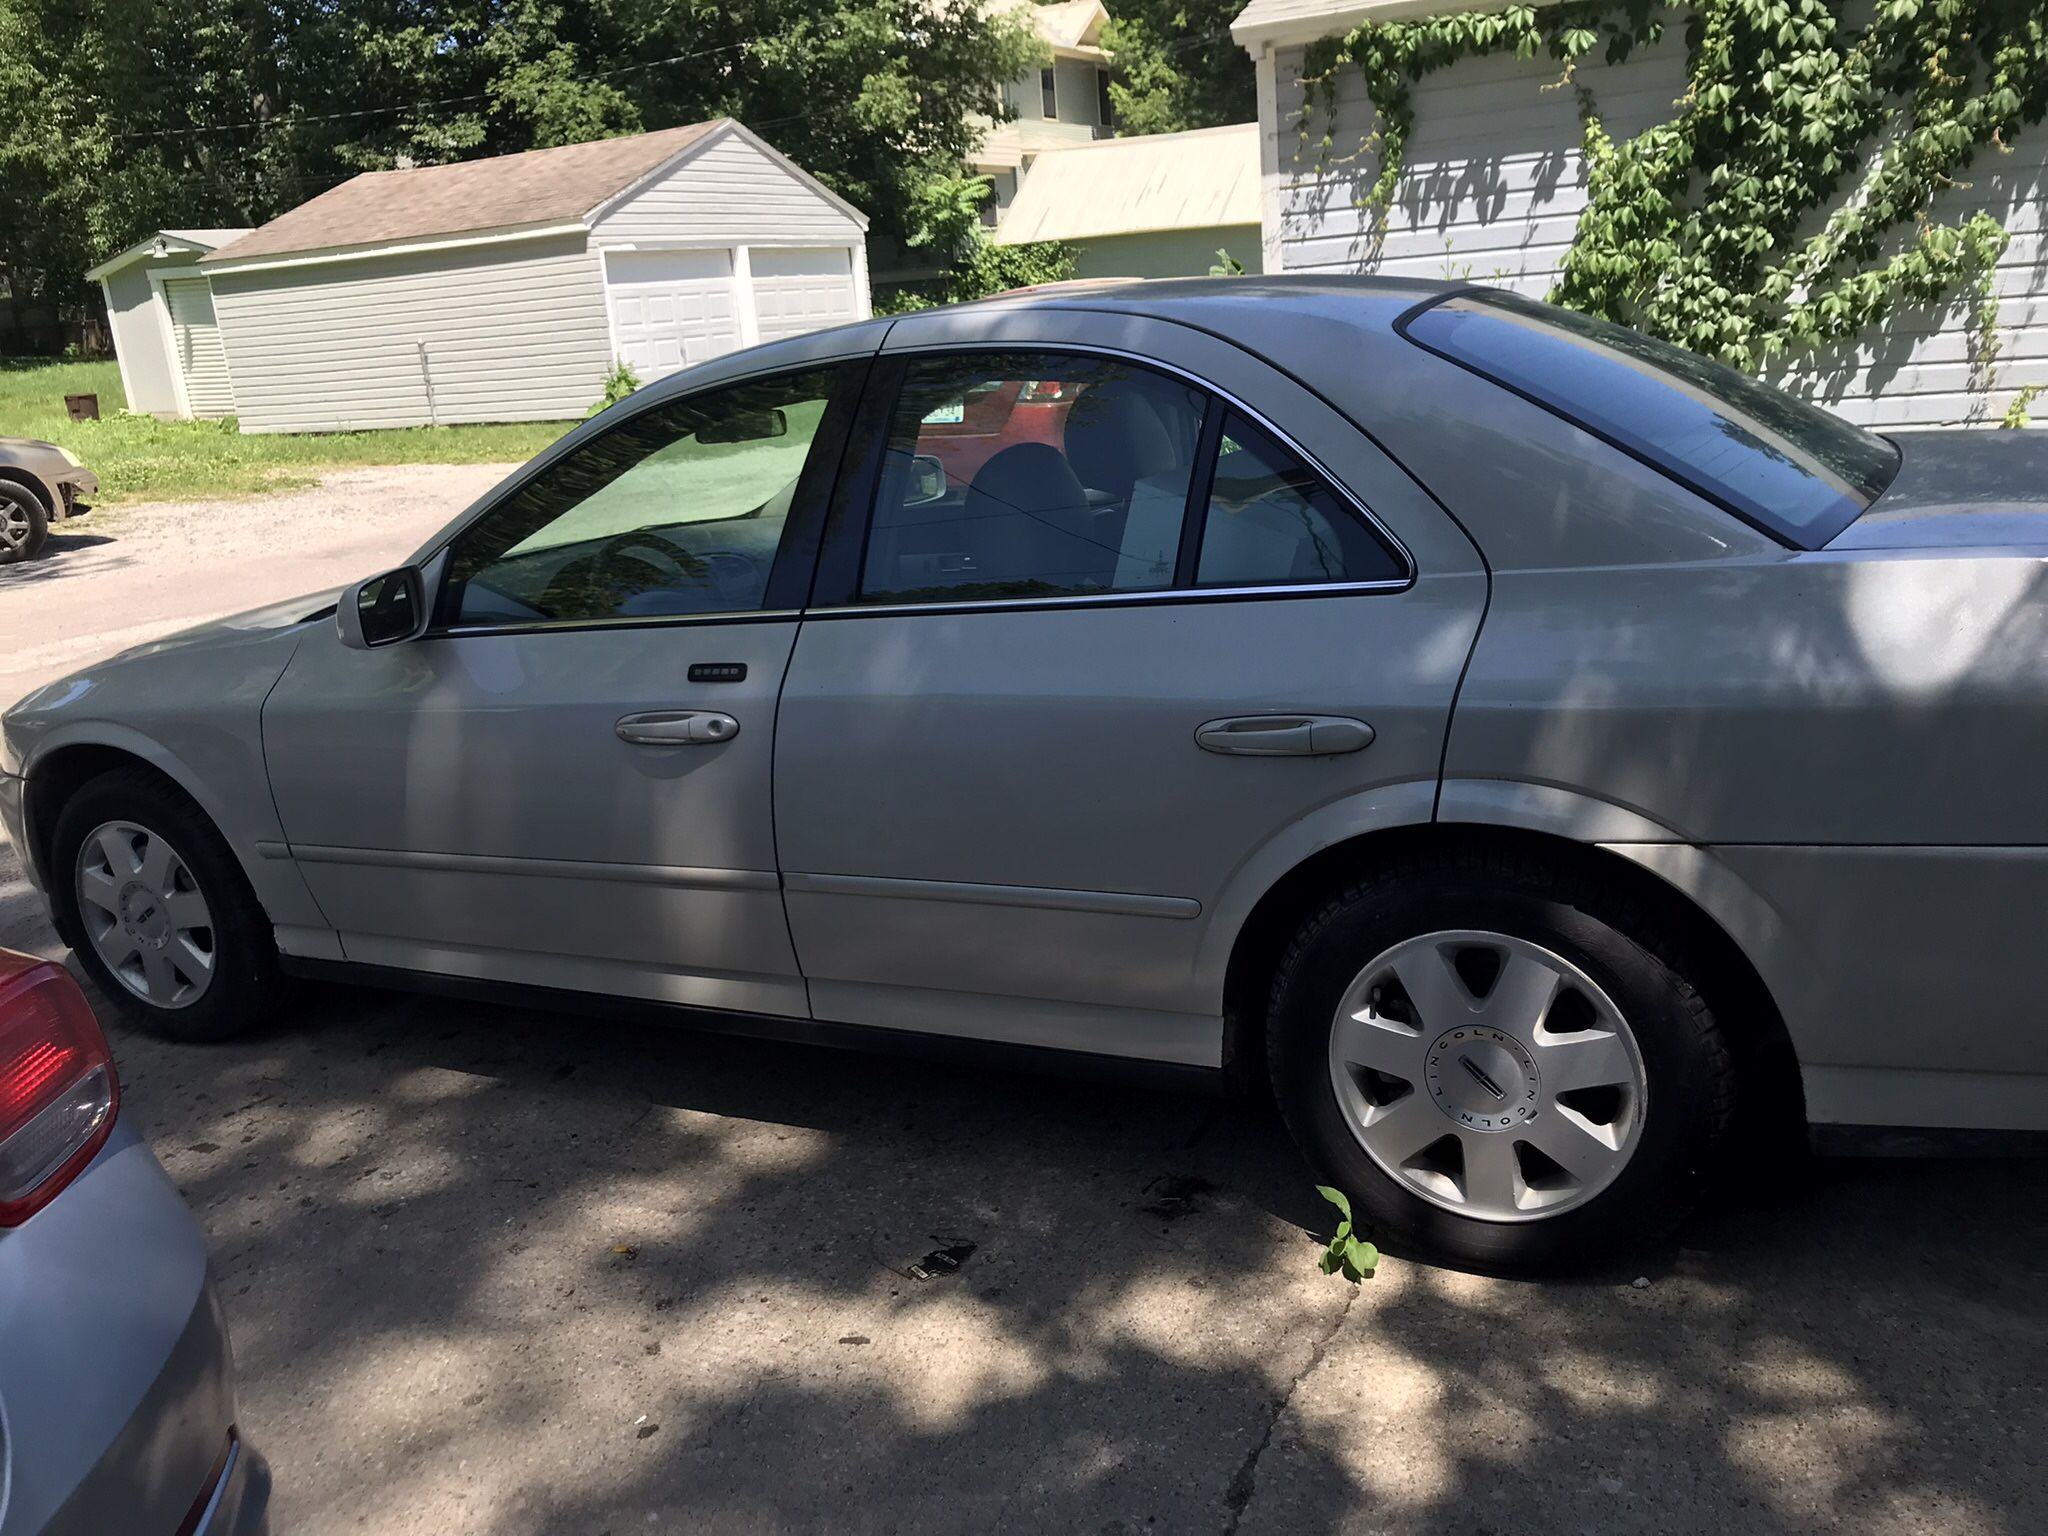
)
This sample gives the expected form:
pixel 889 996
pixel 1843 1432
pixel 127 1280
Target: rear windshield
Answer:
pixel 1792 469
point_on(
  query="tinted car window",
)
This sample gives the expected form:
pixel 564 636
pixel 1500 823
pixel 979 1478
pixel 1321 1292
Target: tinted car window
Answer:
pixel 677 510
pixel 1013 475
pixel 1272 520
pixel 1791 468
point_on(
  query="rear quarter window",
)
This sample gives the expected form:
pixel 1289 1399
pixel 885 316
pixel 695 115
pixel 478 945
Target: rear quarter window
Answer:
pixel 1792 469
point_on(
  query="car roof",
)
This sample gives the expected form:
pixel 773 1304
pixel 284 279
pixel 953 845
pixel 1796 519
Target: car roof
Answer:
pixel 1372 301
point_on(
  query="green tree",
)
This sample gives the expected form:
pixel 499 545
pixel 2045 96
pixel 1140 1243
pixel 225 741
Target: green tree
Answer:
pixel 120 116
pixel 1176 66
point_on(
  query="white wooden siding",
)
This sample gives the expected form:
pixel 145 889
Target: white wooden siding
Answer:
pixel 1493 184
pixel 513 332
pixel 139 338
pixel 728 190
pixel 196 347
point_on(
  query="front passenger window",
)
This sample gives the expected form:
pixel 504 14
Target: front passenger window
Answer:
pixel 677 510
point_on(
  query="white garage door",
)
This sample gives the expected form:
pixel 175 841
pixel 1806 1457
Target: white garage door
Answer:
pixel 799 289
pixel 195 336
pixel 671 308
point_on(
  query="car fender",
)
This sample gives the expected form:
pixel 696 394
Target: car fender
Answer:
pixel 247 824
pixel 1381 808
pixel 1695 871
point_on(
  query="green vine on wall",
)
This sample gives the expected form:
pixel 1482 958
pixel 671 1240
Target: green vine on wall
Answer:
pixel 1754 223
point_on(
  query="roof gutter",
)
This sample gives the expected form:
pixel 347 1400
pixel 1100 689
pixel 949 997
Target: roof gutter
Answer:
pixel 1253 32
pixel 228 266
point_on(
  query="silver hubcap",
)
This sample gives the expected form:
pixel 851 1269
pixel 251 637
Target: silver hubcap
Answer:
pixel 13 524
pixel 1488 1075
pixel 145 915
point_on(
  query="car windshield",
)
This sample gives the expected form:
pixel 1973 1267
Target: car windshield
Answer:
pixel 1790 468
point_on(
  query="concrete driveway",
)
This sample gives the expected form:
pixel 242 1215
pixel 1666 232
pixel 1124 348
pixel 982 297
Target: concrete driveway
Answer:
pixel 504 1271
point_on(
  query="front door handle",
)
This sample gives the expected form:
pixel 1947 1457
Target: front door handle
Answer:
pixel 677 727
pixel 1284 735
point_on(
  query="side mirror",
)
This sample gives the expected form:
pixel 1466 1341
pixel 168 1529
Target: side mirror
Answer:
pixel 383 610
pixel 927 480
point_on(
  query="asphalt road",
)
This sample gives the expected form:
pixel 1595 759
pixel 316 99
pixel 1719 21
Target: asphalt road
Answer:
pixel 502 1271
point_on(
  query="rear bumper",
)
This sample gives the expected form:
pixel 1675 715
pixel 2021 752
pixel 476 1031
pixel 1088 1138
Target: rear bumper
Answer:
pixel 116 1379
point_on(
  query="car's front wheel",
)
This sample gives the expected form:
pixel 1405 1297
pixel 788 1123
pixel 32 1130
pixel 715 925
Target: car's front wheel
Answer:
pixel 1500 1060
pixel 159 911
pixel 24 525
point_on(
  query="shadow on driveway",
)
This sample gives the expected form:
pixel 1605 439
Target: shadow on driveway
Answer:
pixel 509 1271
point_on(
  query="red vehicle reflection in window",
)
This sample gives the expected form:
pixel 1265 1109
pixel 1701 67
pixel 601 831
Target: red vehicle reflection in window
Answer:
pixel 965 434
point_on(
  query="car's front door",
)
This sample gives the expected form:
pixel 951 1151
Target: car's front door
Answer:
pixel 566 781
pixel 1052 707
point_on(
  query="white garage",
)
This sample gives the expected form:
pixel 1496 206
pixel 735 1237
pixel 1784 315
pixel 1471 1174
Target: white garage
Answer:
pixel 506 289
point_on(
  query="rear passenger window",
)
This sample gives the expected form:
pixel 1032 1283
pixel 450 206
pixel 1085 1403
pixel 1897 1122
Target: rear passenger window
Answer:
pixel 1272 521
pixel 1015 475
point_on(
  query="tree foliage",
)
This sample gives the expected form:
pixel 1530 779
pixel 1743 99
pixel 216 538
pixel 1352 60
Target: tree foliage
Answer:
pixel 1176 66
pixel 122 116
pixel 1765 218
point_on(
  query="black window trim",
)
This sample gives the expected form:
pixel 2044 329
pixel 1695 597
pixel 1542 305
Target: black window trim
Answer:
pixel 1666 471
pixel 835 589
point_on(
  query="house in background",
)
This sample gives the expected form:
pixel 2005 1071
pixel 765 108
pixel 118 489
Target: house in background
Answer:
pixel 160 315
pixel 1057 105
pixel 1158 205
pixel 1493 182
pixel 505 289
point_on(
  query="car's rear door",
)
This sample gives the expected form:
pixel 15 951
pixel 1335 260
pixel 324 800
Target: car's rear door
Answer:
pixel 566 782
pixel 1021 790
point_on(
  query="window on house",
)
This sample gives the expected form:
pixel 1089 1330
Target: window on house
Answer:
pixel 1105 109
pixel 1048 93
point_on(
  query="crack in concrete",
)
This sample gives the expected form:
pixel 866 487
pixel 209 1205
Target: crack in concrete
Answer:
pixel 1237 1497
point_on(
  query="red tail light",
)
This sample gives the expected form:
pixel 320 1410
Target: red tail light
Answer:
pixel 58 1094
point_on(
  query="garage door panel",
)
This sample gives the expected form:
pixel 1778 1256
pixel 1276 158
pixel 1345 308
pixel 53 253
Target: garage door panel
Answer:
pixel 671 309
pixel 798 289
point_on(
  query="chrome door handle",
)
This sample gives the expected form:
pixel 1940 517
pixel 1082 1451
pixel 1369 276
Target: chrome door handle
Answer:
pixel 1284 735
pixel 677 727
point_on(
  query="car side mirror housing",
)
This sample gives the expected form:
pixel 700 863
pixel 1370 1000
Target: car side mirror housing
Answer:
pixel 927 480
pixel 383 610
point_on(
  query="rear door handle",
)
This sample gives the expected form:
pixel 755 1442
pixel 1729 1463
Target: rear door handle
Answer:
pixel 677 727
pixel 1284 735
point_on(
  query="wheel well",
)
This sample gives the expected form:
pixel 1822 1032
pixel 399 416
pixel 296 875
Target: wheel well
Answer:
pixel 54 780
pixel 1767 1070
pixel 40 491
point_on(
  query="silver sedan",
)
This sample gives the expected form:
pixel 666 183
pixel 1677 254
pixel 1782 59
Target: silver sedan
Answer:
pixel 1547 759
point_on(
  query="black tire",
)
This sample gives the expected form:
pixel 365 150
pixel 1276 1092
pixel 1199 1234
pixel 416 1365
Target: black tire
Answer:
pixel 247 987
pixel 1579 915
pixel 19 506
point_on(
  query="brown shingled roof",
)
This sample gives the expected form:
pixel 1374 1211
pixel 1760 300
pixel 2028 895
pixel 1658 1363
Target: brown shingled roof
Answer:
pixel 541 186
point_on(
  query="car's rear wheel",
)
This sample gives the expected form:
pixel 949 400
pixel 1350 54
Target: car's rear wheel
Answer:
pixel 1501 1061
pixel 24 525
pixel 159 911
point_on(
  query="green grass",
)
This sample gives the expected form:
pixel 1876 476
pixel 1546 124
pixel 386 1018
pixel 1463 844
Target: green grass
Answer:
pixel 139 458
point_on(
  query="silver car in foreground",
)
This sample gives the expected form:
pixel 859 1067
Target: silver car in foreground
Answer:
pixel 1551 759
pixel 117 1391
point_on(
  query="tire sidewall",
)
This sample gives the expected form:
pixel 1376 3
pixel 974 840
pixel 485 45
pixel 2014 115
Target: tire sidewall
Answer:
pixel 1679 1101
pixel 245 960
pixel 38 522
